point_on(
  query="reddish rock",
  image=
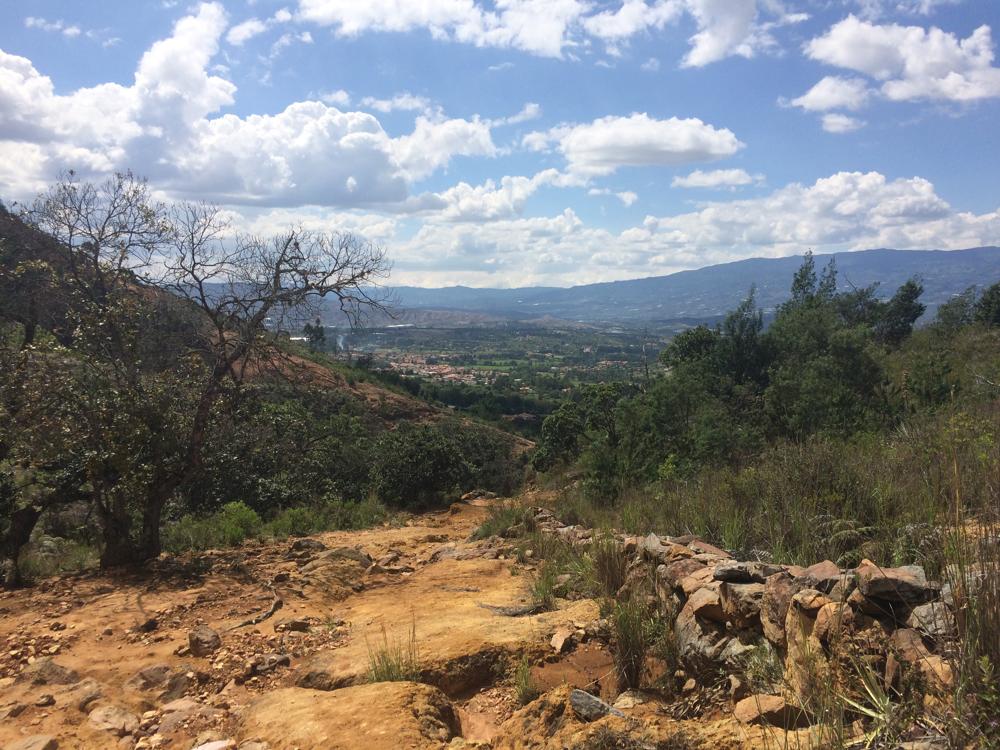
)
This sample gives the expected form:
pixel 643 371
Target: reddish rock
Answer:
pixel 706 603
pixel 906 584
pixel 769 709
pixel 741 603
pixel 696 580
pixel 778 592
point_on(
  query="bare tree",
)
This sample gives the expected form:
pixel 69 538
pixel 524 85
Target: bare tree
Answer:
pixel 128 258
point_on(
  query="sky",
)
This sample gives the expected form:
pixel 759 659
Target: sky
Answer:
pixel 504 143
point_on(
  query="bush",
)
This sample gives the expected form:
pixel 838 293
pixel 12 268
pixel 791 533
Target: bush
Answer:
pixel 394 661
pixel 610 564
pixel 525 687
pixel 502 517
pixel 630 623
pixel 227 527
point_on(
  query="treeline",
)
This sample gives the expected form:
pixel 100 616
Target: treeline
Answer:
pixel 141 381
pixel 730 441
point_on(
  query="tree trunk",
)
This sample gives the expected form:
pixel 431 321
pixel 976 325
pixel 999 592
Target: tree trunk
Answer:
pixel 152 513
pixel 22 523
pixel 119 549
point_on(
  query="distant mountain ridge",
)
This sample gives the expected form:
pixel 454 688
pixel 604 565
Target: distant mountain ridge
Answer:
pixel 709 292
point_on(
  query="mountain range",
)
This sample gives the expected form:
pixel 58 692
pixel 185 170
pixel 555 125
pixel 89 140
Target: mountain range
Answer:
pixel 707 293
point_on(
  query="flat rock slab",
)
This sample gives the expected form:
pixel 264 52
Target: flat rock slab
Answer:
pixel 589 707
pixel 377 716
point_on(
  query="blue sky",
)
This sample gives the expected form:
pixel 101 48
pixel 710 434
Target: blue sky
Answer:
pixel 525 142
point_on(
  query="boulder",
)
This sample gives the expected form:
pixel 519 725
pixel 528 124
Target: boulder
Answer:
pixel 562 639
pixel 115 720
pixel 706 603
pixel 907 584
pixel 702 547
pixel 769 709
pixel 590 708
pixel 47 672
pixel 673 573
pixel 745 572
pixel 741 603
pixel 778 592
pixel 203 641
pixel 699 642
pixel 823 576
pixel 81 695
pixel 376 716
pixel 35 742
pixel 832 619
pixel 696 580
pixel 150 678
pixel 935 619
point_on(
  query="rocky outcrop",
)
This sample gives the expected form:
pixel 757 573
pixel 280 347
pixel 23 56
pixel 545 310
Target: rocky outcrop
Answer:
pixel 378 716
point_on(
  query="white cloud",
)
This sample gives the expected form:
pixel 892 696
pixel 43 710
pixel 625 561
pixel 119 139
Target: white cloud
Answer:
pixel 604 145
pixel 651 65
pixel 500 66
pixel 550 28
pixel 243 32
pixel 833 92
pixel 627 197
pixel 717 178
pixel 338 98
pixel 58 26
pixel 404 101
pixel 846 211
pixel 530 111
pixel 913 62
pixel 835 122
pixel 879 8
pixel 167 125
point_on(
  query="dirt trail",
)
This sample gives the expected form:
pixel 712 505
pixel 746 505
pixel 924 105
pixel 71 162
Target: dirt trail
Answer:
pixel 122 674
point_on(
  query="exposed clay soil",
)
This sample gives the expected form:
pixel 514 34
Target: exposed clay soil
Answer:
pixel 429 580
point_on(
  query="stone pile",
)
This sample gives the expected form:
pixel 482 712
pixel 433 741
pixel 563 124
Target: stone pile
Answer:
pixel 725 608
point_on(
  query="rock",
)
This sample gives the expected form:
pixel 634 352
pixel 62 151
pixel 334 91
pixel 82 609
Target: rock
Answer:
pixel 778 592
pixel 47 672
pixel 307 545
pixel 832 619
pixel 906 584
pixel 378 716
pixel 809 600
pixel 149 678
pixel 12 710
pixel 699 642
pixel 745 572
pixel 264 664
pixel 674 572
pixel 934 619
pixel 46 700
pixel 768 709
pixel 181 704
pixel 696 580
pixel 294 624
pixel 823 576
pixel 254 745
pixel 35 742
pixel 115 720
pixel 148 626
pixel 217 745
pixel 741 603
pixel 704 548
pixel 203 641
pixel 590 708
pixel 82 695
pixel 706 603
pixel 562 640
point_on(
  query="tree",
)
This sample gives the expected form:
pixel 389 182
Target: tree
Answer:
pixel 126 259
pixel 897 316
pixel 315 335
pixel 988 307
pixel 957 312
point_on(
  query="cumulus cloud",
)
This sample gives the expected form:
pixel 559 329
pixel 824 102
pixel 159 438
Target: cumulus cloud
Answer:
pixel 717 178
pixel 551 28
pixel 243 32
pixel 834 92
pixel 835 122
pixel 879 8
pixel 845 211
pixel 338 98
pixel 912 62
pixel 608 143
pixel 168 126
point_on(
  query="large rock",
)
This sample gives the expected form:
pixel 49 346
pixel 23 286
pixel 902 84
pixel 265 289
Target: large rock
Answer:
pixel 935 619
pixel 778 592
pixel 706 603
pixel 377 716
pixel 589 707
pixel 203 641
pixel 832 620
pixel 769 709
pixel 115 720
pixel 47 672
pixel 906 584
pixel 697 580
pixel 673 573
pixel 700 642
pixel 741 603
pixel 745 572
pixel 35 742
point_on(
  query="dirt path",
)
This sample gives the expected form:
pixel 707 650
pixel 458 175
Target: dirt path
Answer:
pixel 429 579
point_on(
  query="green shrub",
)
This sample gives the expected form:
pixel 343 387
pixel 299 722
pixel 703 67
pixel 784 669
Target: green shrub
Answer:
pixel 630 624
pixel 503 516
pixel 394 661
pixel 230 525
pixel 610 564
pixel 525 687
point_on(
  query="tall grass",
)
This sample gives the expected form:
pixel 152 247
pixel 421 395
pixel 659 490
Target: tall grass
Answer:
pixel 630 622
pixel 394 660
